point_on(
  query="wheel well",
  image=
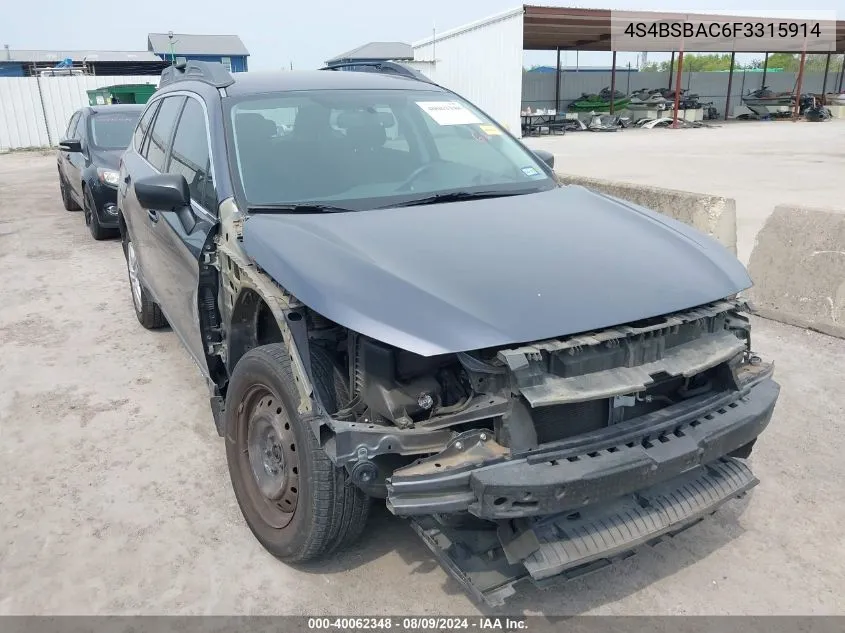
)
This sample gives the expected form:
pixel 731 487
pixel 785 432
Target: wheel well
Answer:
pixel 121 224
pixel 252 324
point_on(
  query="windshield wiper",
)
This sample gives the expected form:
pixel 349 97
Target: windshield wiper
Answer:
pixel 298 208
pixel 455 196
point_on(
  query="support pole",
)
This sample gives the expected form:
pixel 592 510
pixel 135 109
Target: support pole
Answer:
pixel 557 83
pixel 671 69
pixel 730 85
pixel 842 73
pixel 678 87
pixel 796 109
pixel 824 81
pixel 613 84
pixel 765 68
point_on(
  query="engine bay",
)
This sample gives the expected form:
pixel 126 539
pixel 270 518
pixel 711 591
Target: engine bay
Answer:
pixel 530 395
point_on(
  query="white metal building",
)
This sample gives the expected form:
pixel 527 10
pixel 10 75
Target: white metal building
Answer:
pixel 481 61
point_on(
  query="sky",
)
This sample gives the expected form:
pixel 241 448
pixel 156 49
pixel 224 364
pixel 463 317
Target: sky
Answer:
pixel 307 33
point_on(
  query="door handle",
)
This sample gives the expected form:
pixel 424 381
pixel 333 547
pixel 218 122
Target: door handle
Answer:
pixel 153 215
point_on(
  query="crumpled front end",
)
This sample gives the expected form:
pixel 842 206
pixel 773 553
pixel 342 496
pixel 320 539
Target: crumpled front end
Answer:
pixel 599 443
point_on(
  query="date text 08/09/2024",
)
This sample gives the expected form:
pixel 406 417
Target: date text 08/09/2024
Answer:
pixel 717 30
pixel 426 623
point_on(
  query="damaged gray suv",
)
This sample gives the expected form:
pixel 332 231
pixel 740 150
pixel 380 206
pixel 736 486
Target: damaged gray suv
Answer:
pixel 392 298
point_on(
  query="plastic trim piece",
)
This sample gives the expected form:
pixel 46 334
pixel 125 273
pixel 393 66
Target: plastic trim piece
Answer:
pixel 489 562
pixel 213 73
pixel 391 68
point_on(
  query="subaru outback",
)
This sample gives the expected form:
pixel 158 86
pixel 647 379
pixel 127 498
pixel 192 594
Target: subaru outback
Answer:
pixel 391 298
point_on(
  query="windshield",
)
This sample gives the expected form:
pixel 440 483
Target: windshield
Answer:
pixel 365 149
pixel 113 130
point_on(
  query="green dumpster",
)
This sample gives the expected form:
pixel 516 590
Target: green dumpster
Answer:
pixel 122 93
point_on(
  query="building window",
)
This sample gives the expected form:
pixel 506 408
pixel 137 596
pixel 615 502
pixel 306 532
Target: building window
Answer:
pixel 227 62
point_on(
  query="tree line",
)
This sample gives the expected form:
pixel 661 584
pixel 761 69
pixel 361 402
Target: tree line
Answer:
pixel 785 62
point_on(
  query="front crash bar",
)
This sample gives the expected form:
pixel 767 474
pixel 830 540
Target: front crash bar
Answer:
pixel 506 486
pixel 353 441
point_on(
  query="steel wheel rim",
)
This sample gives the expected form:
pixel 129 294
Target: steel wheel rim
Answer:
pixel 270 455
pixel 134 281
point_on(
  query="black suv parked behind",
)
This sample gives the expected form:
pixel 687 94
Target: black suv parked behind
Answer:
pixel 88 159
pixel 391 297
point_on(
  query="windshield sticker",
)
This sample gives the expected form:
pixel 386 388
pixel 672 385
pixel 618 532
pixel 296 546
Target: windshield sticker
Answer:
pixel 490 130
pixel 448 112
pixel 530 171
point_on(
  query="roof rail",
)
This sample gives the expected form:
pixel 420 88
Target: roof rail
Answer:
pixel 391 68
pixel 213 73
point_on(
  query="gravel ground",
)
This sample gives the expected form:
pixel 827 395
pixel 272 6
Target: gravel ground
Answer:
pixel 116 500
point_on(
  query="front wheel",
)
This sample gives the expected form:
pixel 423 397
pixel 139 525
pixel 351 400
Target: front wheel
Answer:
pixel 298 505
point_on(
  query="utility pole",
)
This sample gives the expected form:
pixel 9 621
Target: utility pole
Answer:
pixel 172 45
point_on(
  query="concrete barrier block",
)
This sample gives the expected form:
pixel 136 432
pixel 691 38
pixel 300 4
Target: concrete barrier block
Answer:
pixel 798 269
pixel 712 215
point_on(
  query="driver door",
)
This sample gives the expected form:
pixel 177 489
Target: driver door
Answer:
pixel 177 237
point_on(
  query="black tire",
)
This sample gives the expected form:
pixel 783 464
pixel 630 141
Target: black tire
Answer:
pixel 92 220
pixel 330 380
pixel 331 384
pixel 147 311
pixel 67 199
pixel 314 509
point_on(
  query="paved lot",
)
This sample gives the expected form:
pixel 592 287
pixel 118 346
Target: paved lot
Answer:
pixel 758 163
pixel 115 496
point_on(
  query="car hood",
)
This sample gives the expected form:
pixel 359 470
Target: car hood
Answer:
pixel 467 275
pixel 106 158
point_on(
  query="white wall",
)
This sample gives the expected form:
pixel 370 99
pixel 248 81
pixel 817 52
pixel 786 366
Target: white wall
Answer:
pixel 482 62
pixel 34 111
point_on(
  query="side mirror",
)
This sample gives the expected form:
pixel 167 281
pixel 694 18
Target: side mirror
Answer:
pixel 163 192
pixel 546 157
pixel 70 145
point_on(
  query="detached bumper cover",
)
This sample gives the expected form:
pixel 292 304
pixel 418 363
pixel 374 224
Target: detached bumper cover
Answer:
pixel 489 562
pixel 582 472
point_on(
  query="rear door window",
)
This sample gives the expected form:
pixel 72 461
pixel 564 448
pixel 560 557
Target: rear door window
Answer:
pixel 190 156
pixel 144 125
pixel 162 131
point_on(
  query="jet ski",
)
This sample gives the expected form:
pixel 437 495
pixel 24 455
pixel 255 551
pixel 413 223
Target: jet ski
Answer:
pixel 686 99
pixel 765 97
pixel 599 102
pixel 647 100
pixel 814 111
